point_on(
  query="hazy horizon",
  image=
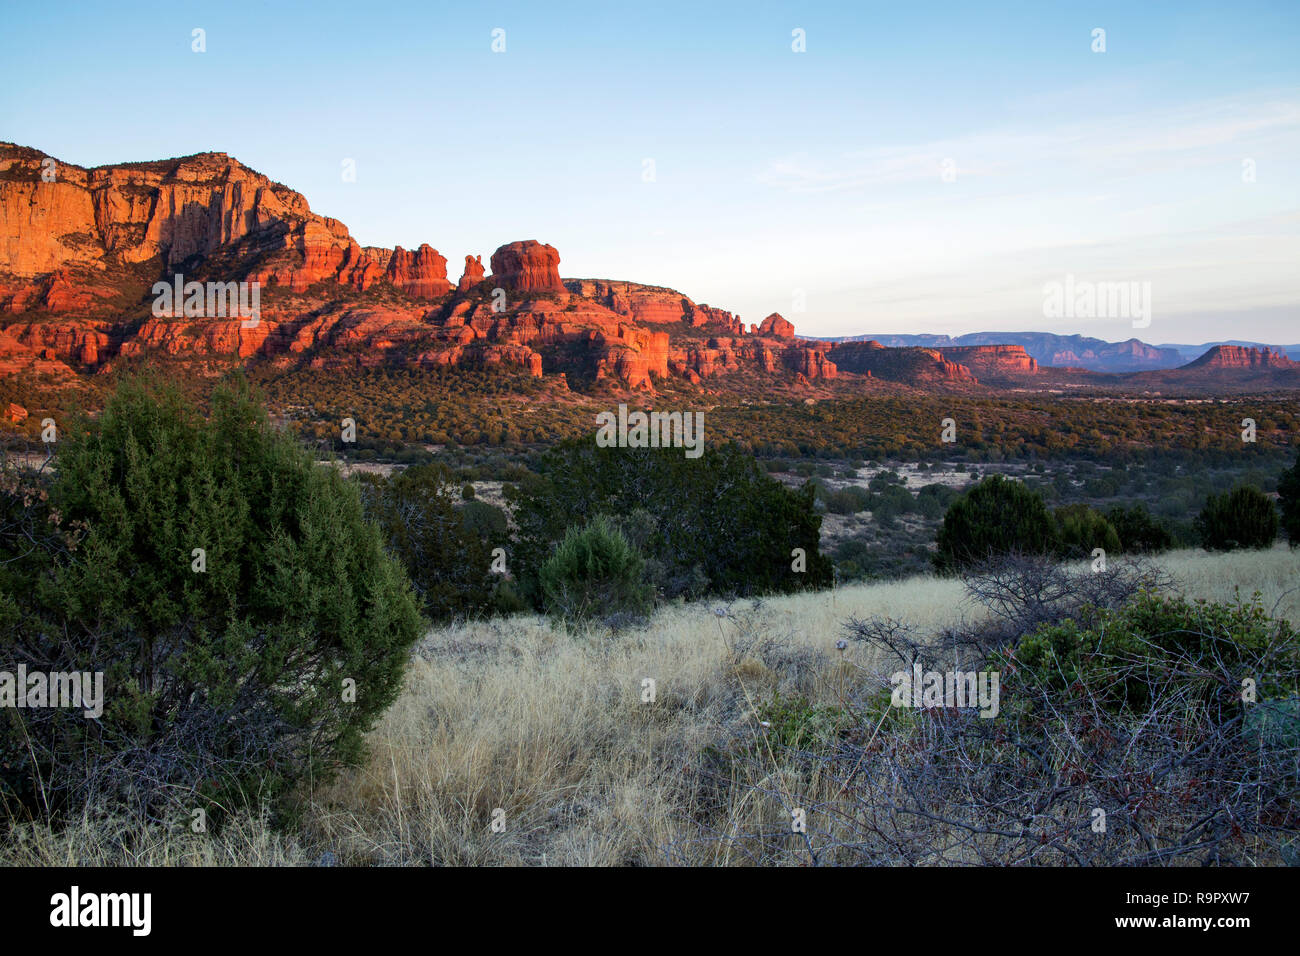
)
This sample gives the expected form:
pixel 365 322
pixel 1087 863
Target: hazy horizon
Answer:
pixel 912 171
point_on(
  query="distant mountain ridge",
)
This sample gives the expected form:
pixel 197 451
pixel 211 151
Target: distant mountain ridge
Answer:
pixel 1071 351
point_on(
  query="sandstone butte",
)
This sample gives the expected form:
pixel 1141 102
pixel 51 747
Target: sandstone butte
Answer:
pixel 81 248
pixel 1242 357
pixel 916 364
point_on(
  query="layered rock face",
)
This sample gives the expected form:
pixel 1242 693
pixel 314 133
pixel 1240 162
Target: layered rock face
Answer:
pixel 81 248
pixel 1242 357
pixel 527 266
pixel 57 216
pixel 653 305
pixel 472 275
pixel 992 361
pixel 914 366
pixel 775 325
pixel 422 274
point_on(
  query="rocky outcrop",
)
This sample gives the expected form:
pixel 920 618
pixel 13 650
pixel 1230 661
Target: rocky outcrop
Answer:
pixel 811 363
pixel 67 289
pixel 654 305
pixel 472 275
pixel 16 357
pixel 635 359
pixel 913 366
pixel 80 342
pixel 527 266
pixel 992 361
pixel 722 355
pixel 422 274
pixel 174 213
pixel 79 253
pixel 1242 357
pixel 776 326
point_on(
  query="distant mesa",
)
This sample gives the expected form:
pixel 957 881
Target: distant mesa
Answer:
pixel 992 361
pixel 916 366
pixel 1241 357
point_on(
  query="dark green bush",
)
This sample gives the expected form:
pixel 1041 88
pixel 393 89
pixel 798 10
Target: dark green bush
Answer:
pixel 486 522
pixel 594 573
pixel 228 682
pixel 1139 532
pixel 716 524
pixel 849 500
pixel 1288 490
pixel 1241 518
pixel 998 516
pixel 894 499
pixel 1126 656
pixel 1080 529
pixel 444 541
pixel 933 499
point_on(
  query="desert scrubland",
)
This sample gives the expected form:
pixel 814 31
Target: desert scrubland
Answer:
pixel 544 730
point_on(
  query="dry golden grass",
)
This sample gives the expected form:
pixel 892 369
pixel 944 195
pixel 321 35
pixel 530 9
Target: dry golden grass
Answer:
pixel 1274 573
pixel 549 728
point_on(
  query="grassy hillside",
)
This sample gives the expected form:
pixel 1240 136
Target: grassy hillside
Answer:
pixel 549 726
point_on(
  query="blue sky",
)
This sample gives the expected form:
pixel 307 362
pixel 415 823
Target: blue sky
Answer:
pixel 806 183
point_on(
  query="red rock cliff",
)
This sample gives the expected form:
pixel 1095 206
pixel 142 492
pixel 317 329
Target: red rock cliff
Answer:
pixel 473 273
pixel 422 273
pixel 914 366
pixel 174 211
pixel 1242 357
pixel 991 361
pixel 527 266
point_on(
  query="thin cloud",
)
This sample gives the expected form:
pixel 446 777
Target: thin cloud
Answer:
pixel 1103 141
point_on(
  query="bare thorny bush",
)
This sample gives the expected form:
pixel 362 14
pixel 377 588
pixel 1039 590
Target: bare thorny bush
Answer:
pixel 1062 777
pixel 1017 593
pixel 1022 591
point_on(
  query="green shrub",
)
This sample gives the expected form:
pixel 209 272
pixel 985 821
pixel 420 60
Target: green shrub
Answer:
pixel 444 544
pixel 849 500
pixel 933 500
pixel 998 516
pixel 486 522
pixel 1127 656
pixel 1139 532
pixel 1241 518
pixel 793 722
pixel 1080 529
pixel 227 671
pixel 895 499
pixel 716 524
pixel 1288 490
pixel 594 573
